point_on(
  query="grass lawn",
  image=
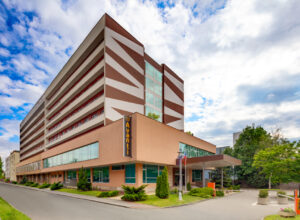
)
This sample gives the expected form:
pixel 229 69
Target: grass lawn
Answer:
pixel 75 191
pixel 277 217
pixel 7 212
pixel 171 201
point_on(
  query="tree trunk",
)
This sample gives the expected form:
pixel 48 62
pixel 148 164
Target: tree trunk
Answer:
pixel 270 177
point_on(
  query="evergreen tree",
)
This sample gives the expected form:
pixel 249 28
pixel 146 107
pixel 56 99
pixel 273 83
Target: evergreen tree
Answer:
pixel 83 183
pixel 163 188
pixel 158 186
pixel 1 169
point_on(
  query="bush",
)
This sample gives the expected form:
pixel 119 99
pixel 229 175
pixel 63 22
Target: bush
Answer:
pixel 56 186
pixel 279 193
pixel 134 194
pixel 236 187
pixel 24 180
pixel 34 185
pixel 28 183
pixel 220 193
pixel 44 185
pixel 205 192
pixel 83 183
pixel 188 186
pixel 108 194
pixel 263 193
pixel 174 191
pixel 14 182
pixel 6 180
pixel 162 185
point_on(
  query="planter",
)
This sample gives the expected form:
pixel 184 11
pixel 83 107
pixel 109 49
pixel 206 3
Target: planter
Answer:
pixel 263 201
pixel 282 200
pixel 287 214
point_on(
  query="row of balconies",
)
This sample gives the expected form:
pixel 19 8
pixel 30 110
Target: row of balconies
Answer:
pixel 33 144
pixel 33 132
pixel 31 126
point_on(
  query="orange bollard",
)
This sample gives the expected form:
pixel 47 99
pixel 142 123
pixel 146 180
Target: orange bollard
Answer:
pixel 297 203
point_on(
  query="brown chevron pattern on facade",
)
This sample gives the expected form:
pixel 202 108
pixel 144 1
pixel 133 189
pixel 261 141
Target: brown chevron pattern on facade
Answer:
pixel 134 55
pixel 175 107
pixel 126 66
pixel 122 112
pixel 169 119
pixel 112 24
pixel 174 88
pixel 114 74
pixel 114 93
pixel 165 67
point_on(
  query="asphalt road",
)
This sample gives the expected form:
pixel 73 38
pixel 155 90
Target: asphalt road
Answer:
pixel 43 206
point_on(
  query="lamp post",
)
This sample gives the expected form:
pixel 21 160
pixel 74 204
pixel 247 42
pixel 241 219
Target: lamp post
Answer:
pixel 180 176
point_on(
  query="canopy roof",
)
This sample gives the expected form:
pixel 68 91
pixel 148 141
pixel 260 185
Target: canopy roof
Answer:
pixel 212 161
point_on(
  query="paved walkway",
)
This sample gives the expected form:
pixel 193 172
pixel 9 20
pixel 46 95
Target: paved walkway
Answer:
pixel 43 205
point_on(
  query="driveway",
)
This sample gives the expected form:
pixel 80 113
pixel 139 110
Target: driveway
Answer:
pixel 44 205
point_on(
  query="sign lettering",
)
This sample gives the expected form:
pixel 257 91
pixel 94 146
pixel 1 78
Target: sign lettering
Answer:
pixel 127 136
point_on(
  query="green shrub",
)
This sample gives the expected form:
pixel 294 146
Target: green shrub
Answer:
pixel 14 182
pixel 6 180
pixel 263 193
pixel 83 183
pixel 134 194
pixel 28 183
pixel 236 187
pixel 205 192
pixel 34 185
pixel 44 185
pixel 174 191
pixel 163 189
pixel 230 188
pixel 56 186
pixel 24 180
pixel 158 185
pixel 108 193
pixel 220 193
pixel 188 186
pixel 279 193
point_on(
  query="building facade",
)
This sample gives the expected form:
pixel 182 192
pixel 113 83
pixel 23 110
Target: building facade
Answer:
pixel 80 119
pixel 11 164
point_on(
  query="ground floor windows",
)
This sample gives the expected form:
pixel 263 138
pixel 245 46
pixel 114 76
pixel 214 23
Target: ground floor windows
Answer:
pixel 71 175
pixel 130 173
pixel 88 152
pixel 196 175
pixel 191 151
pixel 101 175
pixel 118 167
pixel 150 173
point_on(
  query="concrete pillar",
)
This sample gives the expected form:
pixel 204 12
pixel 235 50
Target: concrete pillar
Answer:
pixel 222 173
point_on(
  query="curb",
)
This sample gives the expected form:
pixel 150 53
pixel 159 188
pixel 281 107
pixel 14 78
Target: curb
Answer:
pixel 81 197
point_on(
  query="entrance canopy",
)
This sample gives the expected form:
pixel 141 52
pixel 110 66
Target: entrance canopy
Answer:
pixel 212 161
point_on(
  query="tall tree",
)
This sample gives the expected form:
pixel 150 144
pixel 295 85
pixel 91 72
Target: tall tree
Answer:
pixel 251 140
pixel 279 163
pixel 1 168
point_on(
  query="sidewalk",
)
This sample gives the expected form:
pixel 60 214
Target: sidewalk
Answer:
pixel 109 201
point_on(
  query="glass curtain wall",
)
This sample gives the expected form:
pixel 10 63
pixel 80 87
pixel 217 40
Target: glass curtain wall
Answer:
pixel 191 151
pixel 153 91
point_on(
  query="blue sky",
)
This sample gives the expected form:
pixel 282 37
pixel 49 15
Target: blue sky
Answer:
pixel 239 59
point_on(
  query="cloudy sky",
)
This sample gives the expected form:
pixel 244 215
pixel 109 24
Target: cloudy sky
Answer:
pixel 240 60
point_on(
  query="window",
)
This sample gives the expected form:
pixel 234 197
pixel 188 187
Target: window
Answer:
pixel 71 174
pixel 150 173
pixel 130 173
pixel 88 174
pixel 101 175
pixel 88 152
pixel 191 151
pixel 118 167
pixel 196 175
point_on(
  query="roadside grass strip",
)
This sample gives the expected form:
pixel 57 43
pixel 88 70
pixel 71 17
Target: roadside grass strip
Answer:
pixel 7 212
pixel 277 217
pixel 75 191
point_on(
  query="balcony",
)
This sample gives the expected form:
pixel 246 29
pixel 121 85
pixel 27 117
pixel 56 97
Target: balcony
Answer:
pixel 33 144
pixel 95 55
pixel 26 131
pixel 99 120
pixel 32 153
pixel 32 137
pixel 84 82
pixel 79 115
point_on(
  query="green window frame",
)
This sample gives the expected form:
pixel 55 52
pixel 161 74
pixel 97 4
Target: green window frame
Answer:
pixel 151 172
pixel 196 175
pixel 101 175
pixel 130 173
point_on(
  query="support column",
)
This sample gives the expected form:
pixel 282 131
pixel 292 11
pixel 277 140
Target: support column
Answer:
pixel 222 173
pixel 203 175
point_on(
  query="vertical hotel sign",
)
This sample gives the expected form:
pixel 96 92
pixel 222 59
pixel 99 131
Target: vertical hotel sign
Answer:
pixel 127 136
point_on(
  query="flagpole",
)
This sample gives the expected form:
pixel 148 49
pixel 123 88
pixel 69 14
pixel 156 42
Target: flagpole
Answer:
pixel 185 175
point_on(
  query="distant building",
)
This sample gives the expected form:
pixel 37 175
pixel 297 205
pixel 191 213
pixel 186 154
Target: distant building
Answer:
pixel 10 165
pixel 220 150
pixel 236 136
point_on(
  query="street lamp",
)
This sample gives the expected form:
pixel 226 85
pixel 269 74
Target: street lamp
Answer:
pixel 180 175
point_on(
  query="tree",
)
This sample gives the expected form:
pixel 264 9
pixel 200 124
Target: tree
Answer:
pixel 251 140
pixel 153 116
pixel 279 163
pixel 216 176
pixel 1 169
pixel 83 183
pixel 162 189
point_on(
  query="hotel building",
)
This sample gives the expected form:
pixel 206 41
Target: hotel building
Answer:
pixel 94 115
